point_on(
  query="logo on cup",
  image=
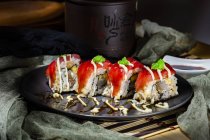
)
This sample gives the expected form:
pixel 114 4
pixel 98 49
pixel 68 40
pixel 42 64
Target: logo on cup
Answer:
pixel 118 25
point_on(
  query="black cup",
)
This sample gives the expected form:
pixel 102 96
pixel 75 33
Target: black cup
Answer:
pixel 107 26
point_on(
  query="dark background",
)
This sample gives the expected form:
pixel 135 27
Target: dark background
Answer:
pixel 180 14
pixel 192 16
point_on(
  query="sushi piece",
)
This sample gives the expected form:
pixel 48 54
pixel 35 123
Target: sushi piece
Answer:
pixel 121 78
pixel 92 76
pixel 156 83
pixel 62 73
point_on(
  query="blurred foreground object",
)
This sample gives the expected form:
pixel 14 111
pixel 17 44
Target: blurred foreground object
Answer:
pixel 191 16
pixel 29 13
pixel 163 40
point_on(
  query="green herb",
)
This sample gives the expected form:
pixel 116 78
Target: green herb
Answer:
pixel 98 59
pixel 159 65
pixel 124 61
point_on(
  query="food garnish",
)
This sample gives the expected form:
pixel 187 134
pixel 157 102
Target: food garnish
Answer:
pixel 56 95
pixel 145 110
pixel 123 110
pixel 124 61
pixel 69 98
pixel 81 101
pixel 162 105
pixel 95 110
pixel 159 65
pixel 112 107
pixel 99 59
pixel 95 100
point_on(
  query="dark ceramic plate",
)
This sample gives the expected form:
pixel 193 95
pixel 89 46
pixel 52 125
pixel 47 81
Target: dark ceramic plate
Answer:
pixel 35 89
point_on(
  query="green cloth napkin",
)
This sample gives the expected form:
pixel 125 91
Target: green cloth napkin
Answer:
pixel 20 123
pixel 195 121
pixel 162 41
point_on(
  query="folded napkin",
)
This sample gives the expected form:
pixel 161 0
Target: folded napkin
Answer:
pixel 162 41
pixel 195 121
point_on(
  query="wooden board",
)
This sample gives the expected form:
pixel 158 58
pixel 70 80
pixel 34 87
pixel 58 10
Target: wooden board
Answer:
pixel 175 134
pixel 16 13
pixel 201 51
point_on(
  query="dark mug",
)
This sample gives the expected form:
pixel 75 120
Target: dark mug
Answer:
pixel 107 26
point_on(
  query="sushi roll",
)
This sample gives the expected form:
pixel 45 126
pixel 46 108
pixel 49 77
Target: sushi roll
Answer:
pixel 62 73
pixel 156 83
pixel 121 78
pixel 92 76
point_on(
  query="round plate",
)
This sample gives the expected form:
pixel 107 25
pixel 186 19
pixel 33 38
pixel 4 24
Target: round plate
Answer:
pixel 35 89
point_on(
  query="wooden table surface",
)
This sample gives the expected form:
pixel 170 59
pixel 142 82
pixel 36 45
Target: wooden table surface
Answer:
pixel 201 51
pixel 176 134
